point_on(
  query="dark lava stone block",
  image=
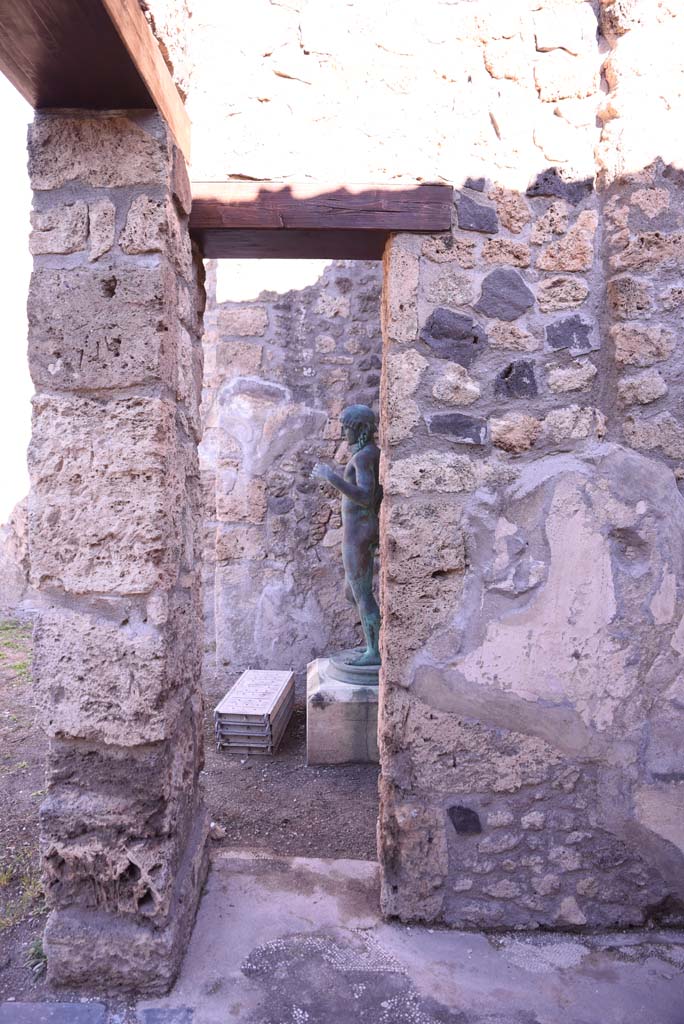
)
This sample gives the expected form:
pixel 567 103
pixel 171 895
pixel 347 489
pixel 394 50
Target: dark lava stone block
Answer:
pixel 460 428
pixel 505 296
pixel 454 336
pixel 465 820
pixel 517 380
pixel 572 333
pixel 474 216
pixel 550 183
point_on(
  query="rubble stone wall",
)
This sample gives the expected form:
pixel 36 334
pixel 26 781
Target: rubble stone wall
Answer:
pixel 115 315
pixel 278 372
pixel 532 523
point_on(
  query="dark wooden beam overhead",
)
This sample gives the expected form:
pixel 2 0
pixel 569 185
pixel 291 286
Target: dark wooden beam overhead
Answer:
pixel 291 244
pixel 88 54
pixel 273 205
pixel 270 220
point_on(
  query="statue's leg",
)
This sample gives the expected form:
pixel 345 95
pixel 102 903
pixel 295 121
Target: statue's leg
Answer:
pixel 362 587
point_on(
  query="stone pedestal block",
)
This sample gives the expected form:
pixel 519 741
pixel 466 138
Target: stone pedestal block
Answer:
pixel 341 719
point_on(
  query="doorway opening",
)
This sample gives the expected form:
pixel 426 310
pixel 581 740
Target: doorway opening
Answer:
pixel 288 344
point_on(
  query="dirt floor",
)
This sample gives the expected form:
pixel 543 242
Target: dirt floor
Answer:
pixel 279 805
pixel 22 778
pixel 275 804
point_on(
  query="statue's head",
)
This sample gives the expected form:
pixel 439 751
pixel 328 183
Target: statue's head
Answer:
pixel 359 424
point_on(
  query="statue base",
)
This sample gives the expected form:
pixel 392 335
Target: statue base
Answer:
pixel 342 667
pixel 341 714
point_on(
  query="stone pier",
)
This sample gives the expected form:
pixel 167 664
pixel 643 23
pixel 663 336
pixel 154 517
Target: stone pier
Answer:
pixel 115 314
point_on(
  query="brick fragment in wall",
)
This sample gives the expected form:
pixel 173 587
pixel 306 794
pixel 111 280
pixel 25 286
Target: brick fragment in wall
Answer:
pixel 128 337
pixel 458 427
pixel 572 333
pixel 402 374
pixel 123 792
pixel 474 216
pixel 507 58
pixel 504 295
pixel 454 336
pixel 573 423
pixel 517 380
pixel 673 298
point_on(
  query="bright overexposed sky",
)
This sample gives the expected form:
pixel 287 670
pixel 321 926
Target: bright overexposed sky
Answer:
pixel 15 266
pixel 241 280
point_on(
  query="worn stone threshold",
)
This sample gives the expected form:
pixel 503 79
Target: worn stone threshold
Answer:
pixel 296 940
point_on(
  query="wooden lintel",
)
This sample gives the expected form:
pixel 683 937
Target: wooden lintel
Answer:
pixel 89 55
pixel 292 244
pixel 143 49
pixel 264 205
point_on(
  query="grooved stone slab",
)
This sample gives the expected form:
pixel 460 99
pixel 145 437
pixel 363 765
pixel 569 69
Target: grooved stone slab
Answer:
pixel 52 1013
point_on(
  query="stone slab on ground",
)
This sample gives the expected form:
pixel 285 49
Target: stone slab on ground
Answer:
pixel 52 1013
pixel 341 719
pixel 298 939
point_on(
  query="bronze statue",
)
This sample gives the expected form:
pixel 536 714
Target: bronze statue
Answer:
pixel 361 496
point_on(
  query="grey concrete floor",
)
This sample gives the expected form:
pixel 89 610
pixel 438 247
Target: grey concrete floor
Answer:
pixel 301 941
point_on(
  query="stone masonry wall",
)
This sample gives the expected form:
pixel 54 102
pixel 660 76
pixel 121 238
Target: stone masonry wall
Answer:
pixel 278 372
pixel 531 704
pixel 115 314
pixel 531 689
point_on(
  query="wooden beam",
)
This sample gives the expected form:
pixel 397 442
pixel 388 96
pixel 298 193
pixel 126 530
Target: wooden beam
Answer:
pixel 271 205
pixel 138 38
pixel 89 55
pixel 290 244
